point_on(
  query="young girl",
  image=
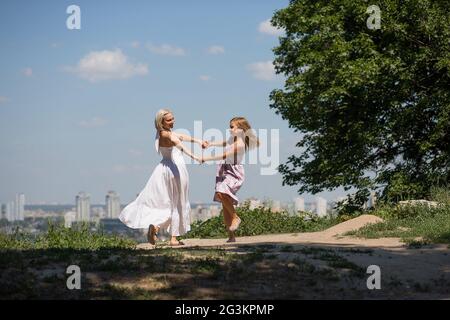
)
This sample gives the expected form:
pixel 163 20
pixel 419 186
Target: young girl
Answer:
pixel 230 174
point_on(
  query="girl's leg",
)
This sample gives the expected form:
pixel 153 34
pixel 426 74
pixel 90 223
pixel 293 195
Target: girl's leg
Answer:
pixel 227 202
pixel 226 213
pixel 227 216
pixel 229 221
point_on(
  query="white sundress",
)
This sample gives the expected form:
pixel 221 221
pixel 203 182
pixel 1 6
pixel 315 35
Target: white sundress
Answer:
pixel 164 201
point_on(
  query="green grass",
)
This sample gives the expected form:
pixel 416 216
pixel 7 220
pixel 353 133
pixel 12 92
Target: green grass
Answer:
pixel 260 221
pixel 58 237
pixel 415 225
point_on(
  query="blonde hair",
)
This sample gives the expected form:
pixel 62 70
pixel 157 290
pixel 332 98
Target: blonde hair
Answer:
pixel 160 117
pixel 251 140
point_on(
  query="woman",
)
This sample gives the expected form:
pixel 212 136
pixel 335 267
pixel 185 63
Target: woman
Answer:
pixel 164 202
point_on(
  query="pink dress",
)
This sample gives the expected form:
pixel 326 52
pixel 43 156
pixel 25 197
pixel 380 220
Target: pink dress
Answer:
pixel 230 176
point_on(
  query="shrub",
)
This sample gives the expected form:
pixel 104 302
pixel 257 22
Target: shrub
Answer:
pixel 260 221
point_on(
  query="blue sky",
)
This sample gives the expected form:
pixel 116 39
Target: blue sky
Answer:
pixel 70 122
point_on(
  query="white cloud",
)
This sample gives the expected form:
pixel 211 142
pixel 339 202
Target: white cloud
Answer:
pixel 205 78
pixel 216 50
pixel 266 27
pixel 264 70
pixel 3 99
pixel 27 72
pixel 107 65
pixel 135 44
pixel 166 50
pixel 93 123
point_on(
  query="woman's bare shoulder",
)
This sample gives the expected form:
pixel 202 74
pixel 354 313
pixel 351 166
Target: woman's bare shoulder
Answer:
pixel 165 134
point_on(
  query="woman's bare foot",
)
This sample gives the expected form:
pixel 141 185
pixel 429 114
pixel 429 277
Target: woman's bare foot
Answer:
pixel 174 242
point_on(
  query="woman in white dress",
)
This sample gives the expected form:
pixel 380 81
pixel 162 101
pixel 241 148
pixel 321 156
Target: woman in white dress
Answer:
pixel 164 202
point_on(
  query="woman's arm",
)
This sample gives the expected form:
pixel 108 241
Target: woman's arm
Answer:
pixel 177 142
pixel 185 137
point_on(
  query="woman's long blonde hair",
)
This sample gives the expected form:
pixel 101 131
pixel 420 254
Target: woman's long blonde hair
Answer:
pixel 160 117
pixel 251 140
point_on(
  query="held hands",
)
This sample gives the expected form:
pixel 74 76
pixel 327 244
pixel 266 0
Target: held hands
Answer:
pixel 199 159
pixel 205 144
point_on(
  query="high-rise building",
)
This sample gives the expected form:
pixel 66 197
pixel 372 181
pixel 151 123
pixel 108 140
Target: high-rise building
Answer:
pixel 299 204
pixel 19 207
pixel 112 205
pixel 83 203
pixel 321 206
pixel 10 211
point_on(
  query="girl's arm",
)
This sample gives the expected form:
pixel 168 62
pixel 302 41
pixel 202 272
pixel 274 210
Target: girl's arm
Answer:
pixel 217 143
pixel 177 142
pixel 237 147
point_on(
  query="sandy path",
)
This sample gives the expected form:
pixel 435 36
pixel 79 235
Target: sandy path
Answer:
pixel 397 261
pixel 331 236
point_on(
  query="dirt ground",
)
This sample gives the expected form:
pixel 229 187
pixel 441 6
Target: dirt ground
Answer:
pixel 406 272
pixel 318 265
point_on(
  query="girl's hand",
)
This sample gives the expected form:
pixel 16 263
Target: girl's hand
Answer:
pixel 205 144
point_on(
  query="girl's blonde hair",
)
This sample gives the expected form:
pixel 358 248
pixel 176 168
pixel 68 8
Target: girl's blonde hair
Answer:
pixel 251 140
pixel 160 117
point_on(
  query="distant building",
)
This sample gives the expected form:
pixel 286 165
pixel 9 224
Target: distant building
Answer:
pixel 19 207
pixel 321 206
pixel 83 204
pixel 112 205
pixel 204 212
pixel 254 204
pixel 276 206
pixel 214 211
pixel 69 218
pixel 10 211
pixel 299 204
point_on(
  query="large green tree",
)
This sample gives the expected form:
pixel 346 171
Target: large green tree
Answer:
pixel 373 105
